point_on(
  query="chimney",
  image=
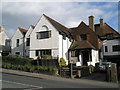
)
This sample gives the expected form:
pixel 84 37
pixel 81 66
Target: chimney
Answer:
pixel 101 23
pixel 2 28
pixel 91 22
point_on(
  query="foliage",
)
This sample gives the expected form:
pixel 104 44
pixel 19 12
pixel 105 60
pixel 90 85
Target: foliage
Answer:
pixel 62 62
pixel 46 56
pixel 16 60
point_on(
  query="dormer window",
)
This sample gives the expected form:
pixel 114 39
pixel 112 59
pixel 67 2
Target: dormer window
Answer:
pixel 83 37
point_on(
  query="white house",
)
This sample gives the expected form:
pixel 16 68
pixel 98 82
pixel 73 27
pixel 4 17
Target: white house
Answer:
pixel 18 42
pixel 4 42
pixel 27 40
pixel 49 37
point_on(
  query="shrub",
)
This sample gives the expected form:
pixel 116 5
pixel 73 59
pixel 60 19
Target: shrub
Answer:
pixel 46 56
pixel 16 60
pixel 62 62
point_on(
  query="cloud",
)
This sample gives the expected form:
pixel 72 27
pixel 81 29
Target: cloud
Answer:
pixel 68 13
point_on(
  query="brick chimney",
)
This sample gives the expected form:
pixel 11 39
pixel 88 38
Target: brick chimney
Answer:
pixel 91 22
pixel 101 23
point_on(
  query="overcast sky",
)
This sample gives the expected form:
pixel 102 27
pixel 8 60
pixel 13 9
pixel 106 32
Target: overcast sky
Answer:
pixel 24 14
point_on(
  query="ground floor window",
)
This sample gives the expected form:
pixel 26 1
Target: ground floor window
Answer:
pixel 74 53
pixel 17 53
pixel 43 52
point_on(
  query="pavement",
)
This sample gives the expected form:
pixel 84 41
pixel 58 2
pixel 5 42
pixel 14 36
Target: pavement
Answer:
pixel 61 79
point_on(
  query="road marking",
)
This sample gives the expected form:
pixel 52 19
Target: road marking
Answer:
pixel 23 84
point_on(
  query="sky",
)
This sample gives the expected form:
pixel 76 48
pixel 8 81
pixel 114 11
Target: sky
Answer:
pixel 70 14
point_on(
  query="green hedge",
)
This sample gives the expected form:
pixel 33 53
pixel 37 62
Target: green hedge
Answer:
pixel 16 60
pixel 28 68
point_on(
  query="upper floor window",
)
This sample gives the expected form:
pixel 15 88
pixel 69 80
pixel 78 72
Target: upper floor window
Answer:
pixel 106 49
pixel 28 42
pixel 83 37
pixel 43 35
pixel 116 48
pixel 17 43
pixel 109 36
pixel 45 28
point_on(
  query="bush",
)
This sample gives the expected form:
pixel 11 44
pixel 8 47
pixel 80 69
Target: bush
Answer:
pixel 46 56
pixel 16 60
pixel 62 62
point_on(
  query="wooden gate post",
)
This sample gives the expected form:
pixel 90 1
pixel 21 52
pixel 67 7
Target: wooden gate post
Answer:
pixel 114 73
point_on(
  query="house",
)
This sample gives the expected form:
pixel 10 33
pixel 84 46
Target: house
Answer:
pixel 27 40
pixel 51 38
pixel 18 42
pixel 4 42
pixel 110 42
pixel 94 43
pixel 84 50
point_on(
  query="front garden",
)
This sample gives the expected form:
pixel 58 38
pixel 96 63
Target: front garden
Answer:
pixel 27 65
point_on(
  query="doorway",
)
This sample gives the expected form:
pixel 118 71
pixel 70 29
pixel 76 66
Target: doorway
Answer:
pixel 85 57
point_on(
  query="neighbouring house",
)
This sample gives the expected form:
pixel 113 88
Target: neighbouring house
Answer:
pixel 27 40
pixel 18 42
pixel 4 42
pixel 84 50
pixel 110 50
pixel 49 38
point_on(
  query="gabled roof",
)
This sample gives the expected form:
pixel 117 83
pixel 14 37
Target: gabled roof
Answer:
pixel 92 39
pixel 106 30
pixel 82 45
pixel 23 31
pixel 61 28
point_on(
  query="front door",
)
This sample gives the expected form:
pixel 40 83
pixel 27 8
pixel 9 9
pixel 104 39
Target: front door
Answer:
pixel 85 57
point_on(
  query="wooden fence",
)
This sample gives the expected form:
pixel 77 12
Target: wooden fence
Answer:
pixel 46 62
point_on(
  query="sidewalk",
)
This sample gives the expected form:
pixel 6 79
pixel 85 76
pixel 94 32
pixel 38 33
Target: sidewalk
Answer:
pixel 50 77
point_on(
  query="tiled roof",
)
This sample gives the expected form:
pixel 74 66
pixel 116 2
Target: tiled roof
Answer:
pixel 23 31
pixel 61 28
pixel 106 30
pixel 92 39
pixel 82 45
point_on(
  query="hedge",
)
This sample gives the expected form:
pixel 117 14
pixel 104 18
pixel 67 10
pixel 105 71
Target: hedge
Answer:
pixel 28 67
pixel 16 60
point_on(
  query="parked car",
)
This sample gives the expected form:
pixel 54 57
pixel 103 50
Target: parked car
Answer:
pixel 104 65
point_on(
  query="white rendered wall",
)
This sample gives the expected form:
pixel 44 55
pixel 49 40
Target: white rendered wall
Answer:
pixel 49 43
pixel 63 48
pixel 17 35
pixel 95 57
pixel 109 44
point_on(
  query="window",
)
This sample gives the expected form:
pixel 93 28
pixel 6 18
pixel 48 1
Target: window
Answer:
pixel 109 36
pixel 43 35
pixel 43 52
pixel 74 53
pixel 28 42
pixel 83 37
pixel 116 48
pixel 17 44
pixel 17 53
pixel 106 49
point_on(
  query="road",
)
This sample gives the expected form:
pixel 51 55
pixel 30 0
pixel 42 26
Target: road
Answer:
pixel 24 82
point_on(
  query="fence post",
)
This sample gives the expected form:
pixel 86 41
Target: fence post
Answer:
pixel 114 73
